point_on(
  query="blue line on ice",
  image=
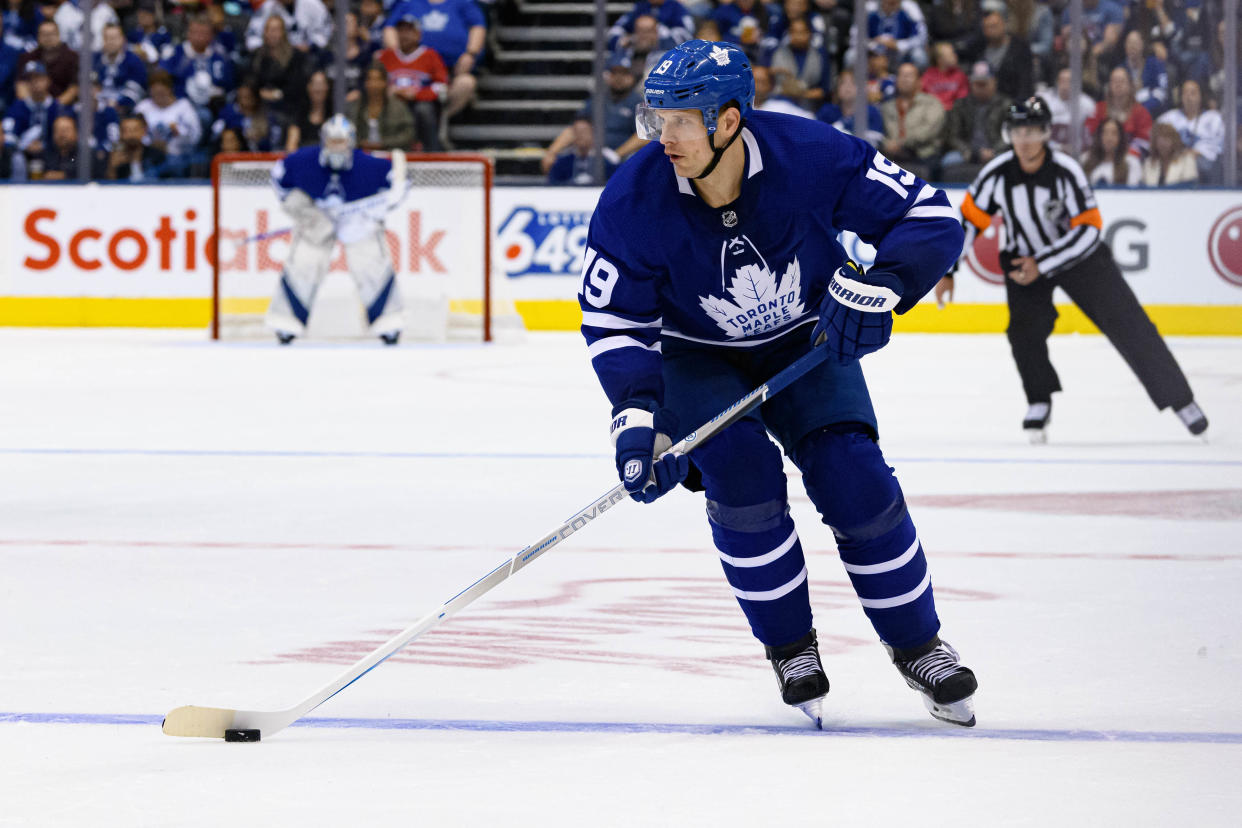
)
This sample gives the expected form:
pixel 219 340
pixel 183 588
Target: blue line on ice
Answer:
pixel 927 731
pixel 497 455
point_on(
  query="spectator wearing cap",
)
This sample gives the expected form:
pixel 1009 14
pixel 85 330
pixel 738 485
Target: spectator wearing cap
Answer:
pixel 944 80
pixel 620 105
pixel 899 27
pixel 173 123
pixel 973 130
pixel 881 85
pixel 308 24
pixel 151 41
pixel 60 156
pixel 913 123
pixel 576 165
pixel 672 18
pixel 801 71
pixel 59 62
pixel 839 112
pixel 1008 55
pixel 201 70
pixel 457 30
pixel 121 74
pixel 646 46
pixel 28 122
pixel 418 76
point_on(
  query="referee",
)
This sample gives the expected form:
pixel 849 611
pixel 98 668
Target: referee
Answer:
pixel 1052 239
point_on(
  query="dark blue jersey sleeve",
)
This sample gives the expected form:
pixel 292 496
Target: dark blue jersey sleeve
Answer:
pixel 916 233
pixel 621 318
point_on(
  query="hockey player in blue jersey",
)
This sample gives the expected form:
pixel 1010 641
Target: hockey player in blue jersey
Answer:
pixel 712 262
pixel 336 192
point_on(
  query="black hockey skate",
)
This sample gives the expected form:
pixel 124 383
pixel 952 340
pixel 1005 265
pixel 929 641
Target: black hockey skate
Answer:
pixel 1193 418
pixel 1036 421
pixel 936 671
pixel 284 338
pixel 390 338
pixel 800 675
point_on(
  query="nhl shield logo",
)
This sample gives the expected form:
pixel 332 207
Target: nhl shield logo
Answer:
pixel 729 218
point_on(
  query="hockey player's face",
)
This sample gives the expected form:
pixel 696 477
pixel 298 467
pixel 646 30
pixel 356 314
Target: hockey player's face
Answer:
pixel 683 136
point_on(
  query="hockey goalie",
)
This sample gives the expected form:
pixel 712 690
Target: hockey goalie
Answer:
pixel 336 192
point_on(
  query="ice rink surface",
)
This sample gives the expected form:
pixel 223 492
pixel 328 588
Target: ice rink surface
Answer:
pixel 231 525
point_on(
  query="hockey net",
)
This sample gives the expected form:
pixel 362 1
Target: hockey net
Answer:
pixel 439 238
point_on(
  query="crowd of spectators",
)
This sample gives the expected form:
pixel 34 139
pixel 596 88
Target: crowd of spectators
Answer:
pixel 177 82
pixel 941 75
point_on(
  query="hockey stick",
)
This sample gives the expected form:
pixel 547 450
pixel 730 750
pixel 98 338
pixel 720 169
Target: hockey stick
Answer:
pixel 248 725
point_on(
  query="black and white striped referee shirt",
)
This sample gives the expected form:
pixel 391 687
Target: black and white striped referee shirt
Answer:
pixel 1050 214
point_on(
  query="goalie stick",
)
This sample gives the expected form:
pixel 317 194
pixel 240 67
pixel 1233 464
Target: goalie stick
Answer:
pixel 213 722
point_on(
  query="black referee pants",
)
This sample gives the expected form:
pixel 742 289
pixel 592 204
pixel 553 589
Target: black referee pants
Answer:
pixel 1098 288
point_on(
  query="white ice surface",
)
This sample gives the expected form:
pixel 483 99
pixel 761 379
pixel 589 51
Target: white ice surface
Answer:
pixel 230 525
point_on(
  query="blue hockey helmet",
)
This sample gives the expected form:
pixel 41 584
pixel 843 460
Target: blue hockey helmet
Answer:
pixel 337 139
pixel 697 74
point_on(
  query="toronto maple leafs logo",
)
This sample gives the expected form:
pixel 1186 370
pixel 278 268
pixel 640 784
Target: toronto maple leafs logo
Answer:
pixel 721 56
pixel 757 302
pixel 435 21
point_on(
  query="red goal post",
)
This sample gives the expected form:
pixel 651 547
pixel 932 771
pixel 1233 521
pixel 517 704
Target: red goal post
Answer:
pixel 439 237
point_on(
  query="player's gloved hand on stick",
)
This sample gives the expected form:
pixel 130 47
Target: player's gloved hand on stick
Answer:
pixel 640 437
pixel 856 316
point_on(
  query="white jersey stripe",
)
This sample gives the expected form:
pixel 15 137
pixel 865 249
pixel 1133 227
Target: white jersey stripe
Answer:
pixel 612 343
pixel 764 559
pixel 931 211
pixel 772 594
pixel 886 566
pixel 595 319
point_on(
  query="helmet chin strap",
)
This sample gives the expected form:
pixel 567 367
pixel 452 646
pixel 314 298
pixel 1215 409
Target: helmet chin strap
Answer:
pixel 717 154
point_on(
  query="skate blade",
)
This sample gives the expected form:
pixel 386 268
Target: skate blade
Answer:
pixel 958 712
pixel 813 710
pixel 1037 436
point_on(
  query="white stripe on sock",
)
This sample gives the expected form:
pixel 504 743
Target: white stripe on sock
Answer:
pixel 886 566
pixel 763 559
pixel 772 594
pixel 887 603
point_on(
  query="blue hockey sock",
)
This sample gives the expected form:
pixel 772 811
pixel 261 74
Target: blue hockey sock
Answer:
pixel 763 563
pixel 857 495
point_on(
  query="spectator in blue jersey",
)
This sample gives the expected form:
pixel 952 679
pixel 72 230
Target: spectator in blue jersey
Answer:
pixel 21 24
pixel 371 23
pixel 801 71
pixel 647 45
pixel 577 165
pixel 107 124
pixel 307 22
pixel 619 108
pixel 201 71
pixel 1148 72
pixel 672 16
pixel 174 126
pixel 150 39
pixel 881 85
pixel 10 59
pixel 132 159
pixel 359 53
pixel 28 122
pixel 839 112
pixel 898 26
pixel 457 30
pixel 246 113
pixel 1191 43
pixel 121 74
pixel 1102 23
pixel 746 23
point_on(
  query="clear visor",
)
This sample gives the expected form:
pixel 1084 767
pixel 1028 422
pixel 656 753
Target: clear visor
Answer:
pixel 1026 133
pixel 672 125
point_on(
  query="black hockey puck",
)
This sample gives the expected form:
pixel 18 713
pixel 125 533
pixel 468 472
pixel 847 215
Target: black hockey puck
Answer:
pixel 234 735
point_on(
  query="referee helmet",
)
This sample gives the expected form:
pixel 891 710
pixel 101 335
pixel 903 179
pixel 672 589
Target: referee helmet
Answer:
pixel 1031 112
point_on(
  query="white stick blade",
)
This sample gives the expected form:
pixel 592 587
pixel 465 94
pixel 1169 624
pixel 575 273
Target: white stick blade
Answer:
pixel 206 722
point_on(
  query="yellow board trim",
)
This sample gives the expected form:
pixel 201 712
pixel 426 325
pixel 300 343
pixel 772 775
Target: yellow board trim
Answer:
pixel 564 315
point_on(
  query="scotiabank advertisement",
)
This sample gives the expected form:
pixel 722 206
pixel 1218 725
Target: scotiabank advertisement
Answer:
pixel 1179 248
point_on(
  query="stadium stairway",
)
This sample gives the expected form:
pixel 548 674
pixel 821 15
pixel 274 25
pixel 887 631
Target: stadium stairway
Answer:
pixel 537 76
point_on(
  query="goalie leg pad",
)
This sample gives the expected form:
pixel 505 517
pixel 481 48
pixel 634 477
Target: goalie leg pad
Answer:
pixel 858 496
pixel 371 268
pixel 755 537
pixel 295 295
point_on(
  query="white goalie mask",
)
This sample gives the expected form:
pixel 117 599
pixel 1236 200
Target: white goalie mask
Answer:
pixel 337 139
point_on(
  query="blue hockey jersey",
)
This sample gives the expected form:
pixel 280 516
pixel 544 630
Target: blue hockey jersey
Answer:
pixel 301 170
pixel 661 263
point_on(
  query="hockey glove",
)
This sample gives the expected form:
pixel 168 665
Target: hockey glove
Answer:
pixel 640 437
pixel 856 316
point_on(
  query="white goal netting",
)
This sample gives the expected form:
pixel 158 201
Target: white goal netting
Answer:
pixel 438 238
